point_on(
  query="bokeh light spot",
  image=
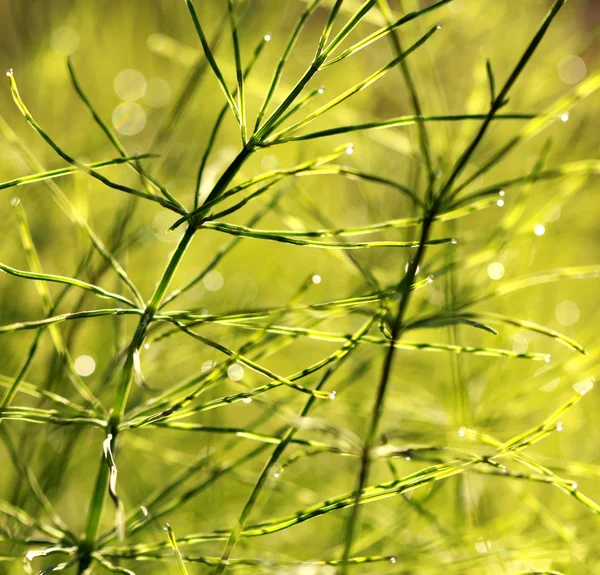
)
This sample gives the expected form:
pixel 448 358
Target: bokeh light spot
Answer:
pixel 85 365
pixel 130 85
pixel 213 281
pixel 567 313
pixel 235 372
pixel 571 69
pixel 495 270
pixel 129 119
pixel 158 93
pixel 64 41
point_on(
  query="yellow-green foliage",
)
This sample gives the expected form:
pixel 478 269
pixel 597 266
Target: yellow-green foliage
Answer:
pixel 299 287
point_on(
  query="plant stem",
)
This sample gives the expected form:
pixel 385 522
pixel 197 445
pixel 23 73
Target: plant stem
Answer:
pixel 127 376
pixel 378 408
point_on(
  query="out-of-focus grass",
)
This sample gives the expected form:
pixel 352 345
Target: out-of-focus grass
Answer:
pixel 472 523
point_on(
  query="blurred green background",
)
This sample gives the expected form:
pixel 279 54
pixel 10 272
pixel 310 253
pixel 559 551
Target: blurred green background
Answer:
pixel 471 524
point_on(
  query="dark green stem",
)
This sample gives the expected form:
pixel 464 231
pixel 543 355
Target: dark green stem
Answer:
pixel 127 376
pixel 378 408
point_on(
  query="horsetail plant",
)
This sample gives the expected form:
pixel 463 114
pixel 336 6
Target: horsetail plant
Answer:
pixel 440 194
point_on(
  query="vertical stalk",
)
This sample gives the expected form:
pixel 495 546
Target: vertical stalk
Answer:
pixel 127 375
pixel 378 408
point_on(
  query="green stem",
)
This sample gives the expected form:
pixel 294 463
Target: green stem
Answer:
pixel 127 376
pixel 372 434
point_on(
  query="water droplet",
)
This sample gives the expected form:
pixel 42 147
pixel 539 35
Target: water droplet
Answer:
pixel 146 346
pixel 500 203
pixel 276 475
pixel 321 91
pixel 333 395
pixel 407 458
pixel 213 280
pixel 144 511
pixel 462 431
pixel 567 313
pixel 495 270
pixel 84 365
pixel 9 73
pixel 501 193
pixel 548 359
pixel 130 85
pixel 559 426
pixel 430 279
pixel 393 560
pixel 438 27
pixel 158 93
pixel 267 37
pixel 247 400
pixel 129 119
pixel 350 149
pixel 574 485
pixel 235 372
pixel 316 279
pixel 64 41
pixel 565 117
pixel 539 230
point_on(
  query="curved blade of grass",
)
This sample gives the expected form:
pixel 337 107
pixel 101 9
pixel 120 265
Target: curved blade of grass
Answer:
pixel 559 110
pixel 49 307
pixel 582 168
pixel 351 91
pixel 394 123
pixel 36 324
pixel 501 99
pixel 278 452
pixel 550 276
pixel 528 325
pixel 368 40
pixel 402 344
pixel 219 122
pixel 283 60
pixel 51 174
pixel 241 93
pixel 242 231
pixel 212 62
pixel 25 519
pixel 374 228
pixel 173 543
pixel 113 138
pixel 93 173
pixel 67 281
pixel 110 566
pixel 445 321
pixel 69 210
